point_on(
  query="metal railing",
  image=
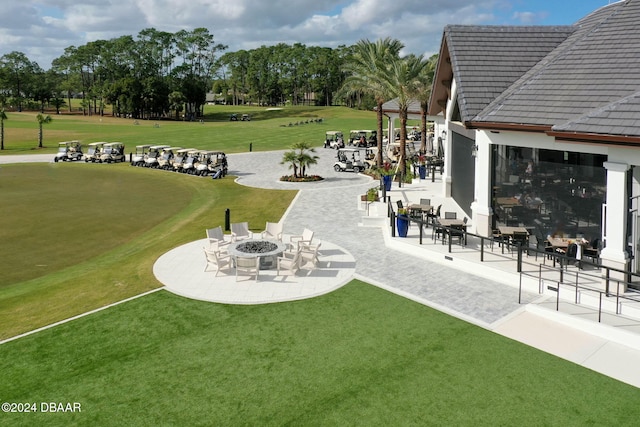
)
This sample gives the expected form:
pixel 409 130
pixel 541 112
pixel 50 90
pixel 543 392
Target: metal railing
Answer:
pixel 589 277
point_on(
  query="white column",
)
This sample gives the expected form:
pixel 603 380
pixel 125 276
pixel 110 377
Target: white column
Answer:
pixel 481 206
pixel 615 224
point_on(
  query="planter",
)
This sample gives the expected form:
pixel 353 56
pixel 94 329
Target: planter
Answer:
pixel 422 170
pixel 387 182
pixel 402 225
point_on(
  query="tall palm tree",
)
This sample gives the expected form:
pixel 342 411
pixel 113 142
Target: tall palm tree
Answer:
pixel 424 93
pixel 305 156
pixel 404 81
pixel 3 117
pixel 367 70
pixel 42 119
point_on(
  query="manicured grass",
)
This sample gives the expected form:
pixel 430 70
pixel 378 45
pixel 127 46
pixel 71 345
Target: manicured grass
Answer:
pixel 78 236
pixel 267 130
pixel 358 356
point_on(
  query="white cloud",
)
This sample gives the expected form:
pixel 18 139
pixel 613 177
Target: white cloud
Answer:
pixel 240 24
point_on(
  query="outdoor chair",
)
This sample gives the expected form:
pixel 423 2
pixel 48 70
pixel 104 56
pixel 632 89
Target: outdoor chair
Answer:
pixel 593 251
pixel 519 238
pixel 288 266
pixel 240 231
pixel 433 216
pixel 457 232
pixel 425 201
pixel 302 240
pixel 216 237
pixel 273 230
pixel 309 255
pixel 247 266
pixel 217 260
pixel 450 215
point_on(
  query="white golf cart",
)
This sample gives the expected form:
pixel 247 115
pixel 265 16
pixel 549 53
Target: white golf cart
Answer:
pixel 212 162
pixel 137 159
pixel 191 162
pixel 349 160
pixel 68 151
pixel 151 161
pixel 165 160
pixel 333 139
pixel 112 152
pixel 363 138
pixel 94 151
pixel 180 157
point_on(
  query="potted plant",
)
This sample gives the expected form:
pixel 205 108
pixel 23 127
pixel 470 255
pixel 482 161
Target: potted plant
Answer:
pixel 387 175
pixel 371 196
pixel 422 166
pixel 402 222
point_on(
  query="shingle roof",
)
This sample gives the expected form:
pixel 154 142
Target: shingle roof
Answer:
pixel 588 83
pixel 486 60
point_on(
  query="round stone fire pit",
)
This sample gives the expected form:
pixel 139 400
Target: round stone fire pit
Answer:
pixel 267 250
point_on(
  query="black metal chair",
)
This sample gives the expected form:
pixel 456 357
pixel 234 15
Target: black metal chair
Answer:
pixel 450 215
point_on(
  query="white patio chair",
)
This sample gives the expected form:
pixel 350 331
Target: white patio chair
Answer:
pixel 247 266
pixel 273 230
pixel 216 238
pixel 302 240
pixel 217 260
pixel 309 255
pixel 240 231
pixel 288 266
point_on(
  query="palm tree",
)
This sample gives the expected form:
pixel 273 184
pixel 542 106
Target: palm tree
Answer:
pixel 404 80
pixel 291 158
pixel 423 95
pixel 42 119
pixel 3 117
pixel 368 69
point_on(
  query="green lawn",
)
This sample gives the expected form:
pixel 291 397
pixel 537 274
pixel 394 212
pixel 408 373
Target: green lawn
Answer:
pixel 357 356
pixel 78 236
pixel 267 130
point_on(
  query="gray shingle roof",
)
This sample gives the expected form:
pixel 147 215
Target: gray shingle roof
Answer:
pixel 589 83
pixel 486 60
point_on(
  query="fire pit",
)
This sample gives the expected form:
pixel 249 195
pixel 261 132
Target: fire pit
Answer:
pixel 267 250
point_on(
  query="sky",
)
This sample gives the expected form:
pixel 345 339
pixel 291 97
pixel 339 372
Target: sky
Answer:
pixel 42 29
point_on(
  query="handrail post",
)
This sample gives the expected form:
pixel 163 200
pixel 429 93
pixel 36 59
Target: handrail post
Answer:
pixel 393 224
pixel 481 249
pixel 519 262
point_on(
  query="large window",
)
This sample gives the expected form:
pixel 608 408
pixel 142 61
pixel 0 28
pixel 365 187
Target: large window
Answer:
pixel 549 192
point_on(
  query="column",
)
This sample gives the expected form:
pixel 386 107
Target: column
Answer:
pixel 615 223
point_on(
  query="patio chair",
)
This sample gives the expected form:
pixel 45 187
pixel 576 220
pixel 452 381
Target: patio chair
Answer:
pixel 273 230
pixel 425 201
pixel 217 260
pixel 433 216
pixel 288 266
pixel 457 232
pixel 303 239
pixel 247 266
pixel 450 215
pixel 309 255
pixel 519 238
pixel 216 237
pixel 240 231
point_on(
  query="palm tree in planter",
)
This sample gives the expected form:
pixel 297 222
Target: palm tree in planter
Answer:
pixel 3 117
pixel 300 158
pixel 42 119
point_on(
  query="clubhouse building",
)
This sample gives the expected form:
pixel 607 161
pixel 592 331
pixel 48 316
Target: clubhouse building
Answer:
pixel 541 128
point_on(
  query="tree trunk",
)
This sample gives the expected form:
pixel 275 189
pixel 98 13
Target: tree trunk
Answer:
pixel 380 117
pixel 40 136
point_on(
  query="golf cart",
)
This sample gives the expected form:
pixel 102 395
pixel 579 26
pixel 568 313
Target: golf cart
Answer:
pixel 112 152
pixel 348 160
pixel 333 139
pixel 94 151
pixel 165 160
pixel 151 161
pixel 137 159
pixel 363 138
pixel 246 118
pixel 68 151
pixel 212 162
pixel 179 159
pixel 191 162
pixel 370 154
pixel 233 117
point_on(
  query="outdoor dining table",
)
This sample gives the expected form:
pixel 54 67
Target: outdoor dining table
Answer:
pixel 563 243
pixel 424 209
pixel 509 231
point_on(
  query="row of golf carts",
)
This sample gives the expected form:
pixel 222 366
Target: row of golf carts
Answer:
pixel 97 152
pixel 357 138
pixel 359 159
pixel 184 160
